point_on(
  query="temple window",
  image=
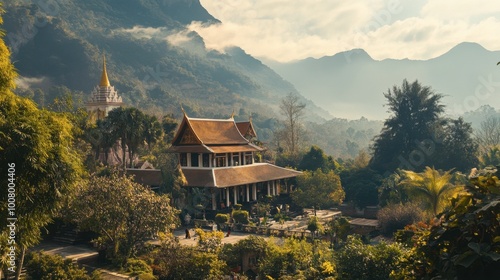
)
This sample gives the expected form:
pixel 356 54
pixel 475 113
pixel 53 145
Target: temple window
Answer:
pixel 195 160
pixel 236 159
pixel 220 160
pixel 248 158
pixel 206 160
pixel 183 159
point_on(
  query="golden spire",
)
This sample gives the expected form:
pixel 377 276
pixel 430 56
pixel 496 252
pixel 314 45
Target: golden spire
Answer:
pixel 104 77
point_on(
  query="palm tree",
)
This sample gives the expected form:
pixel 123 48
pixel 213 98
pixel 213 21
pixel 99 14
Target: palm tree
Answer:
pixel 431 187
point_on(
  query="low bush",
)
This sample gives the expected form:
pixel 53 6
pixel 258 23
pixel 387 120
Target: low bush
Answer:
pixel 240 216
pixel 396 216
pixel 41 266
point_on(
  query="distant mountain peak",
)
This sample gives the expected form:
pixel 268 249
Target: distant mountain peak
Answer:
pixel 355 55
pixel 466 48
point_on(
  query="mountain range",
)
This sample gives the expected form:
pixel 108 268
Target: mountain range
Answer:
pixel 158 65
pixel 152 59
pixel 352 84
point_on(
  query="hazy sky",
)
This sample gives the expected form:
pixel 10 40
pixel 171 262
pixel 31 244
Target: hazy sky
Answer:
pixel 287 30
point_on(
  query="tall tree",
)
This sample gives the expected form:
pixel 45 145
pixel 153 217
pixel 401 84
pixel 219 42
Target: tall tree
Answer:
pixel 37 147
pixel 317 189
pixel 293 111
pixel 408 138
pixel 432 188
pixel 488 135
pixel 124 213
pixel 459 149
pixel 129 125
pixel 315 159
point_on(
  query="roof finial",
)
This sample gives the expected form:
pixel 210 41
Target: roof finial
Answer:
pixel 232 115
pixel 184 112
pixel 104 76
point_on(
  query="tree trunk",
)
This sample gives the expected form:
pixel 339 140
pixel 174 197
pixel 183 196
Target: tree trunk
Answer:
pixel 20 263
pixel 131 157
pixel 124 154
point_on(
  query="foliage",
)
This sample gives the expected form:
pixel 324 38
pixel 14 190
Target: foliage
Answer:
pixel 490 157
pixel 210 241
pixel 361 186
pixel 221 218
pixel 38 146
pixel 173 261
pixel 459 149
pixel 390 191
pixel 42 266
pixel 124 213
pixel 292 110
pixel 488 134
pixel 318 189
pixel 297 259
pixel 232 254
pixel 314 225
pixel 431 188
pixel 338 229
pixel 134 129
pixel 463 243
pixel 137 267
pixel 316 159
pixel 394 217
pixel 359 261
pixel 240 216
pixel 415 115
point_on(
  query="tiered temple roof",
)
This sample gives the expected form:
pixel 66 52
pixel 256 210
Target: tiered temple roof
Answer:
pixel 210 136
pixel 223 138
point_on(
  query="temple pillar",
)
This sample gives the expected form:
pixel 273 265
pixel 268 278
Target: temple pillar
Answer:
pixel 227 197
pixel 254 191
pixel 268 188
pixel 235 193
pixel 214 201
pixel 247 187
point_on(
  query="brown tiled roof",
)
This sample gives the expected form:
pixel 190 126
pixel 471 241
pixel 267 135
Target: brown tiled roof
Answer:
pixel 210 132
pixel 214 132
pixel 199 177
pixel 236 175
pixel 246 128
pixel 147 177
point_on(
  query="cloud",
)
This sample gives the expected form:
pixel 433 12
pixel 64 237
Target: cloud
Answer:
pixel 141 32
pixel 29 82
pixel 184 38
pixel 279 30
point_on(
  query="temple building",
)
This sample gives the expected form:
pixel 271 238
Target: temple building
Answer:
pixel 104 97
pixel 217 156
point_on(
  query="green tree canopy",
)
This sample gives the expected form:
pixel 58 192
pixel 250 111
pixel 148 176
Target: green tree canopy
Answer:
pixel 315 159
pixel 38 145
pixel 408 137
pixel 318 190
pixel 124 213
pixel 430 187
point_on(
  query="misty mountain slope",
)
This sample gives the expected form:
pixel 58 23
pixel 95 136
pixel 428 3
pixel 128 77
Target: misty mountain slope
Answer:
pixel 153 61
pixel 351 84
